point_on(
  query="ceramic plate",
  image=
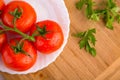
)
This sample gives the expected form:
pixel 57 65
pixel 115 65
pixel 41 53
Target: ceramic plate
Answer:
pixel 52 10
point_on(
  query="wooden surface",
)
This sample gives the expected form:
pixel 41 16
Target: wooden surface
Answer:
pixel 76 64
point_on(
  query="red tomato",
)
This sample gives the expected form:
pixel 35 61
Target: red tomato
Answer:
pixel 27 18
pixel 19 61
pixel 49 41
pixel 2 4
pixel 3 39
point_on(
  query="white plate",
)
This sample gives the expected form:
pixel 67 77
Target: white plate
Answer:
pixel 46 9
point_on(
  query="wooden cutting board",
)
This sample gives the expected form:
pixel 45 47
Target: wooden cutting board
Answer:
pixel 76 64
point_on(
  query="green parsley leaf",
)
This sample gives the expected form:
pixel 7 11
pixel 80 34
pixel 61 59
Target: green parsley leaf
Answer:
pixel 80 4
pixel 87 48
pixel 92 38
pixel 93 51
pixel 82 43
pixel 79 35
pixel 89 5
pixel 109 20
pixel 118 18
pixel 111 4
pixel 87 41
pixel 89 10
pixel 109 14
pixel 95 17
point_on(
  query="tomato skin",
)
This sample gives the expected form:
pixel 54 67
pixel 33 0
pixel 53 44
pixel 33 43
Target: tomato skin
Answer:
pixel 2 4
pixel 27 19
pixel 19 61
pixel 3 39
pixel 52 40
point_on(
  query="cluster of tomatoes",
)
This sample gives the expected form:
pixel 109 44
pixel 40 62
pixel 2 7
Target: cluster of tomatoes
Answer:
pixel 19 18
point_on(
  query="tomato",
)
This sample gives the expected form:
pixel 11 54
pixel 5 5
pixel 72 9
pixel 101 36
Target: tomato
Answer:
pixel 27 15
pixel 49 36
pixel 2 4
pixel 3 39
pixel 19 58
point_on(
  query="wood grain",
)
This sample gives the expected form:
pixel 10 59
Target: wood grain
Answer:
pixel 76 64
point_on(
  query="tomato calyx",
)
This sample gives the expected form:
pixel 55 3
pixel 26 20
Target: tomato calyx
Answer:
pixel 19 48
pixel 40 31
pixel 16 13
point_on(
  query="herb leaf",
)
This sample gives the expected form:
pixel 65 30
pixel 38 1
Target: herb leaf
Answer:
pixel 93 51
pixel 80 4
pixel 109 14
pixel 87 41
pixel 82 43
pixel 118 18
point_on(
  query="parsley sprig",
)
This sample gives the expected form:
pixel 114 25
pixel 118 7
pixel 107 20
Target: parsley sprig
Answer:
pixel 87 41
pixel 109 14
pixel 90 13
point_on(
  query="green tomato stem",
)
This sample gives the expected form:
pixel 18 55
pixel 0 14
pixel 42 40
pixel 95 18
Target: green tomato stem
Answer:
pixel 31 38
